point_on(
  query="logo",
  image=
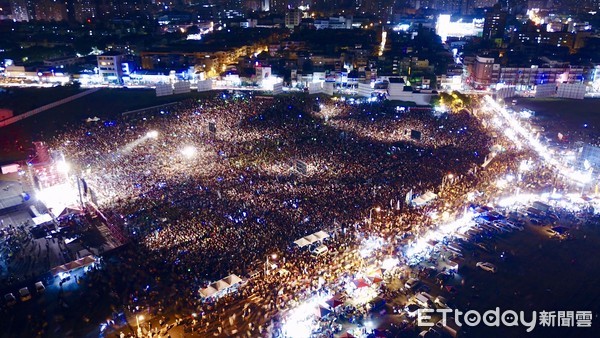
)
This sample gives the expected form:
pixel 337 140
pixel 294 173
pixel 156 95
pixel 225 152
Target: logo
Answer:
pixel 496 318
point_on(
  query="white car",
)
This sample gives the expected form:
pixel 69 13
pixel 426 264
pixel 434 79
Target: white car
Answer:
pixel 322 249
pixel 487 266
pixel 441 302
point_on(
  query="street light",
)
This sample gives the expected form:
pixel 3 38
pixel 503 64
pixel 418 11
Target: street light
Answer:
pixel 273 257
pixel 445 179
pixel 137 319
pixel 378 209
pixel 189 151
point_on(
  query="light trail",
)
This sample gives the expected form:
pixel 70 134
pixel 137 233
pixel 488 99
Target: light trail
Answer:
pixel 383 42
pixel 545 153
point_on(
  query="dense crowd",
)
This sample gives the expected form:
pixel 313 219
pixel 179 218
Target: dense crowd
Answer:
pixel 237 197
pixel 196 217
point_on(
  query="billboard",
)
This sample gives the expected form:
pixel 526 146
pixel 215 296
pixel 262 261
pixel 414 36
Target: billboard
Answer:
pixel 164 90
pixel 181 87
pixel 545 90
pixel 277 88
pixel 571 90
pixel 205 85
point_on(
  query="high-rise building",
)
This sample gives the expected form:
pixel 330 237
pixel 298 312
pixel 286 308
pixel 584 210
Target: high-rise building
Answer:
pixel 50 10
pixel 380 8
pixel 21 10
pixel 265 5
pixel 110 66
pixel 448 6
pixel 278 6
pixel 84 10
pixel 121 8
pixel 292 18
pixel 485 71
pixel 251 5
pixel 495 23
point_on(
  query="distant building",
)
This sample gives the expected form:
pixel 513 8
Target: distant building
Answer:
pixel 84 10
pixel 292 18
pixel 110 67
pixel 445 27
pixel 530 76
pixel 334 23
pixel 265 5
pixel 21 10
pixel 63 61
pixel 485 72
pixel 397 90
pixel 121 8
pixel 494 24
pixel 278 6
pixel 50 10
pixel 468 7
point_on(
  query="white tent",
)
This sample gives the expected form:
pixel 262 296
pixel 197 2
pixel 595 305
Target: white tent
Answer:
pixel 220 285
pixel 302 242
pixel 312 238
pixel 424 199
pixel 232 280
pixel 45 218
pixel 321 235
pixel 208 291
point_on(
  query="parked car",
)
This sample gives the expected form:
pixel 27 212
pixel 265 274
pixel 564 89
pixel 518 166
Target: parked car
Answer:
pixel 24 294
pixel 411 283
pixel 40 288
pixel 441 302
pixel 10 299
pixel 483 247
pixel 515 226
pixel 320 250
pixel 487 266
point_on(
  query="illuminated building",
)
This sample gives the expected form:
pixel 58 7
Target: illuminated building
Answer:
pixel 446 28
pixel 485 71
pixel 84 10
pixel 21 10
pixel 50 10
pixel 292 18
pixel 110 67
pixel 495 23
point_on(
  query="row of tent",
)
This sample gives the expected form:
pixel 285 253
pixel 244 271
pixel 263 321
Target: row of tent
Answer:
pixel 76 264
pixel 222 285
pixel 424 199
pixel 312 238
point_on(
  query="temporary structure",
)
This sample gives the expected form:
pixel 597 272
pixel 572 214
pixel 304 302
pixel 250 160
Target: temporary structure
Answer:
pixel 208 291
pixel 302 242
pixel 221 286
pixel 312 238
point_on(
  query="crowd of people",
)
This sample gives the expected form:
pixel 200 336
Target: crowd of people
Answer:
pixel 237 196
pixel 199 204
